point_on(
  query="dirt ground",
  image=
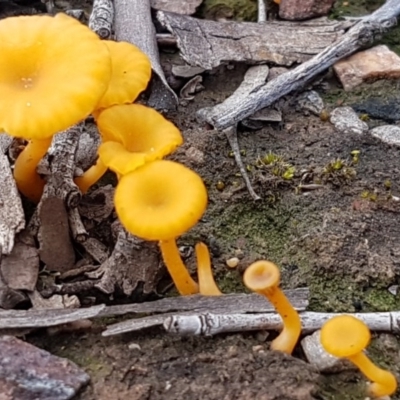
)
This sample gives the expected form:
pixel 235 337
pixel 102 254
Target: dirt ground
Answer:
pixel 341 240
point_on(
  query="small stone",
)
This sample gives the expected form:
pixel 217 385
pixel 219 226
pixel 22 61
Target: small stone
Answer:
pixel 387 133
pixel 311 101
pixel 27 372
pixel 262 336
pixel 134 346
pixel 232 262
pixel 296 10
pixel 259 348
pixel 195 155
pixel 376 63
pixel 346 121
pixel 317 356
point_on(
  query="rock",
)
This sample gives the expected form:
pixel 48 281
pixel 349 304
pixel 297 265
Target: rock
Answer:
pixel 387 133
pixel 346 121
pixel 27 372
pixel 296 10
pixel 311 101
pixel 387 108
pixel 376 63
pixel 319 358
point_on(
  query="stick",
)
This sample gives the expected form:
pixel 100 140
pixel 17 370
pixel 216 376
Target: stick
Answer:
pixel 133 24
pixel 102 17
pixel 231 134
pixel 209 324
pixel 225 304
pixel 360 35
pixel 12 319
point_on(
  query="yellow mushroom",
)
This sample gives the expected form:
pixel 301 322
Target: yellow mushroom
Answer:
pixel 131 136
pixel 160 201
pixel 207 285
pixel 346 336
pixel 131 73
pixel 263 277
pixel 53 72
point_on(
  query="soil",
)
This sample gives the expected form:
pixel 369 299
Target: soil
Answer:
pixel 341 240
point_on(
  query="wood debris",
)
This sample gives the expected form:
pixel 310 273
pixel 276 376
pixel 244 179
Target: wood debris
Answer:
pixel 12 218
pixel 208 44
pixel 20 268
pixel 362 33
pixel 221 305
pixel 187 7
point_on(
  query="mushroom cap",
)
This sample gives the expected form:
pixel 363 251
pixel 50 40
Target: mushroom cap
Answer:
pixel 131 72
pixel 261 275
pixel 145 135
pixel 160 200
pixel 344 336
pixel 53 71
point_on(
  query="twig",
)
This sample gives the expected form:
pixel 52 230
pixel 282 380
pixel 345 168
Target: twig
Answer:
pixel 225 305
pixel 43 318
pixel 231 134
pixel 211 324
pixel 102 17
pixel 133 23
pixel 361 34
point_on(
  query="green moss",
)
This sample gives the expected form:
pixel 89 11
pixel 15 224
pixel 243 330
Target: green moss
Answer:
pixel 264 229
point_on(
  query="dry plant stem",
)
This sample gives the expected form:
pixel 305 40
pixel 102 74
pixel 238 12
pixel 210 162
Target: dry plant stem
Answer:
pixel 231 134
pixel 207 285
pixel 361 34
pixel 76 226
pixel 102 17
pixel 177 269
pixel 91 176
pixel 29 183
pixel 379 377
pixel 134 24
pixel 262 11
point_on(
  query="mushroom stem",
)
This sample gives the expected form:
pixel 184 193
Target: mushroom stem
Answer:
pixel 90 176
pixel 177 269
pixel 383 382
pixel 207 284
pixel 263 277
pixel 29 182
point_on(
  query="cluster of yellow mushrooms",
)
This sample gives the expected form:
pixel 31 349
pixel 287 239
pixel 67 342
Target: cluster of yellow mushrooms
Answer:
pixel 55 72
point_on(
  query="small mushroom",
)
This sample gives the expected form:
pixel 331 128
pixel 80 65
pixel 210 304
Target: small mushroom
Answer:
pixel 160 201
pixel 346 336
pixel 131 72
pixel 263 277
pixel 53 71
pixel 133 135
